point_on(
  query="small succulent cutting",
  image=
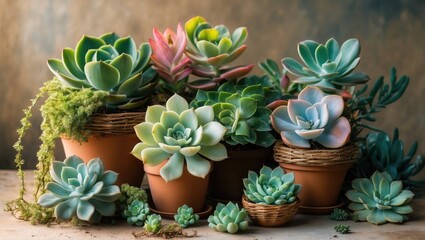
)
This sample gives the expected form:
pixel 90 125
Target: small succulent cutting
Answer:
pixel 153 223
pixel 243 113
pixel 108 63
pixel 130 194
pixel 271 187
pixel 379 199
pixel 169 60
pixel 328 66
pixel 180 134
pixel 343 229
pixel 136 213
pixel 211 48
pixel 314 116
pixel 340 215
pixel 79 190
pixel 384 154
pixel 185 216
pixel 228 218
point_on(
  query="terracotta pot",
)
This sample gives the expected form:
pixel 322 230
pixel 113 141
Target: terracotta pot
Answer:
pixel 226 178
pixel 169 196
pixel 114 150
pixel 320 184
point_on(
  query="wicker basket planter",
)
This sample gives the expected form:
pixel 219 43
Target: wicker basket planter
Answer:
pixel 270 215
pixel 321 172
pixel 111 138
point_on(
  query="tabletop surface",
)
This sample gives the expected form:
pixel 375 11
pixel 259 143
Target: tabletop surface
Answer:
pixel 301 227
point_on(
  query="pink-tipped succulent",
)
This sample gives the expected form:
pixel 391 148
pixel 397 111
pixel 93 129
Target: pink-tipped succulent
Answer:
pixel 211 49
pixel 314 116
pixel 168 57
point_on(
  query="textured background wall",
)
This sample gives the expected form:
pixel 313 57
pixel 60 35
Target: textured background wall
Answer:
pixel 392 33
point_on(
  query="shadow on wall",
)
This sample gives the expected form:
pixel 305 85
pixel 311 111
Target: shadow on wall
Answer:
pixel 33 31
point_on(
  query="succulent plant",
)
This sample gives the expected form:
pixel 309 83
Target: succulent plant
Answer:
pixel 181 134
pixel 228 218
pixel 108 63
pixel 379 199
pixel 243 113
pixel 136 213
pixel 271 187
pixel 185 216
pixel 79 190
pixel 211 48
pixel 130 194
pixel 153 223
pixel 327 66
pixel 343 229
pixel 383 154
pixel 313 116
pixel 340 215
pixel 168 58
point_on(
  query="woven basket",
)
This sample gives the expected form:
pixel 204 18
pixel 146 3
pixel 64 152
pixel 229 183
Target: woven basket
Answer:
pixel 346 155
pixel 270 215
pixel 114 123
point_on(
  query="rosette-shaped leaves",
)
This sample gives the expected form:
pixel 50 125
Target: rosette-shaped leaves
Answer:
pixel 185 216
pixel 136 213
pixel 211 48
pixel 168 58
pixel 180 134
pixel 272 187
pixel 228 218
pixel 243 113
pixel 108 63
pixel 153 223
pixel 327 66
pixel 79 190
pixel 379 199
pixel 313 116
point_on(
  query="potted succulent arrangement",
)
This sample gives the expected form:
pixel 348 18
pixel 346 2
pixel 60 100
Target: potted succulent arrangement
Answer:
pixel 177 146
pixel 271 197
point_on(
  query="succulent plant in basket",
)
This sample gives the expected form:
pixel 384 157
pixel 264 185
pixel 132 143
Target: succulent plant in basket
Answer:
pixel 211 48
pixel 271 196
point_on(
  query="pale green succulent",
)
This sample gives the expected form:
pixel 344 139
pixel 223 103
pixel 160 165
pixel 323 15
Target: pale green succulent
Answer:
pixel 327 66
pixel 271 187
pixel 379 199
pixel 79 190
pixel 108 63
pixel 180 134
pixel 136 213
pixel 130 194
pixel 242 112
pixel 228 218
pixel 185 216
pixel 153 223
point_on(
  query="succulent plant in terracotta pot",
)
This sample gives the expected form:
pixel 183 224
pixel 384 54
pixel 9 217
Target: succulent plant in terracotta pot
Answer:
pixel 314 145
pixel 271 196
pixel 177 144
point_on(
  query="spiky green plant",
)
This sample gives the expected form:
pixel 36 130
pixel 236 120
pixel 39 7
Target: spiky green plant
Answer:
pixel 314 116
pixel 228 218
pixel 108 63
pixel 379 199
pixel 180 134
pixel 243 113
pixel 271 187
pixel 343 229
pixel 384 154
pixel 211 48
pixel 79 190
pixel 339 215
pixel 327 66
pixel 136 213
pixel 153 223
pixel 185 216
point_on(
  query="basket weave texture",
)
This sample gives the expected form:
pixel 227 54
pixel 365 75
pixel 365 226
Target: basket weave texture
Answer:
pixel 114 123
pixel 270 215
pixel 346 155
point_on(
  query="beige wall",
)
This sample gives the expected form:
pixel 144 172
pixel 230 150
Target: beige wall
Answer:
pixel 392 33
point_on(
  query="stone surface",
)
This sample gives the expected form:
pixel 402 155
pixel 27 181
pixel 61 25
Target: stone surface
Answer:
pixel 301 227
pixel 392 33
